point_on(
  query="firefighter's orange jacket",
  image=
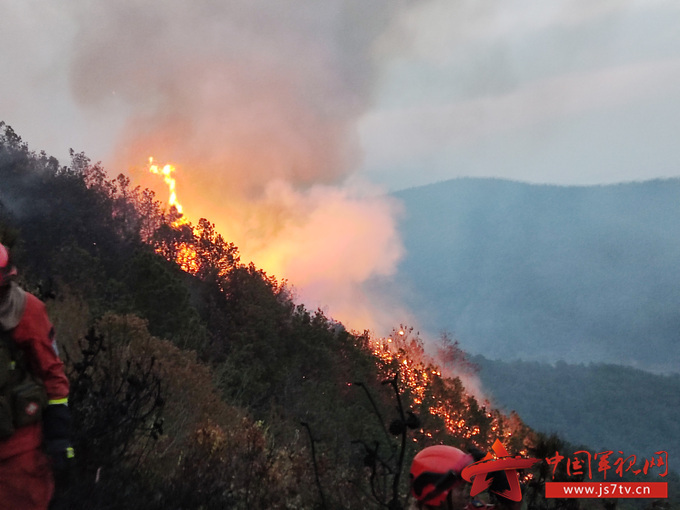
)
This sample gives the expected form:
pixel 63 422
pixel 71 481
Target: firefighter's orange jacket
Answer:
pixel 34 335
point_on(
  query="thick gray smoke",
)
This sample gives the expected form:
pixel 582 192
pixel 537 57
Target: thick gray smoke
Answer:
pixel 239 92
pixel 256 104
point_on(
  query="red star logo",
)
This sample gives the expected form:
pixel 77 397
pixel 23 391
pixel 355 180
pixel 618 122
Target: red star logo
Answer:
pixel 503 462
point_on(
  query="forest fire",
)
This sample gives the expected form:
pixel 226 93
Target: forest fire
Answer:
pixel 441 395
pixel 434 387
pixel 186 256
pixel 412 372
pixel 305 236
pixel 167 172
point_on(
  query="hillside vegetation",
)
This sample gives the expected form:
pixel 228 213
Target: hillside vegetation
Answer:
pixel 197 382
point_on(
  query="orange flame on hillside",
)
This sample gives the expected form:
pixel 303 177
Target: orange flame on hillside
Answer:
pixel 325 241
pixel 186 257
pixel 418 372
pixel 167 172
pixel 416 369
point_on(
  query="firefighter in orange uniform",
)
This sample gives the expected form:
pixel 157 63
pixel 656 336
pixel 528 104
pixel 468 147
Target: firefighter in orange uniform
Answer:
pixel 34 417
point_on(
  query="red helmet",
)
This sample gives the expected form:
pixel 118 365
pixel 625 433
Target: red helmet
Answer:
pixel 435 470
pixel 7 270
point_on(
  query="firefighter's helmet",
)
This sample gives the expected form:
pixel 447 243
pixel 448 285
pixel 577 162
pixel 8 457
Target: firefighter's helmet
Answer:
pixel 7 270
pixel 435 470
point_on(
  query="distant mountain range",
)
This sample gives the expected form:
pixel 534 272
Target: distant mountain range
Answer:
pixel 603 406
pixel 546 273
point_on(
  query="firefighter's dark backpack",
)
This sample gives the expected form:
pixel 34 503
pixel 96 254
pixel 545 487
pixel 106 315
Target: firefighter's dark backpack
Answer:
pixel 22 397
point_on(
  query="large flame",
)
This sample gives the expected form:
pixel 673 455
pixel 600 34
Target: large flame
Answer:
pixel 264 113
pixel 166 171
pixel 186 257
pixel 324 241
pixel 417 370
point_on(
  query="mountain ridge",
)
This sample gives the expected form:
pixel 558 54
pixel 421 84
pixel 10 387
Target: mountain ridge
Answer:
pixel 604 406
pixel 545 272
pixel 531 183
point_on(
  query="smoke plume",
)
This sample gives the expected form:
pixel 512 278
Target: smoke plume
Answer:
pixel 255 102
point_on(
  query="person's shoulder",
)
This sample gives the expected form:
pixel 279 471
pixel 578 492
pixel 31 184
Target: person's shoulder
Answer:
pixel 33 303
pixel 34 319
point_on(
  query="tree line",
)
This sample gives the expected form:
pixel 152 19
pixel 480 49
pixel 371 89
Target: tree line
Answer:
pixel 206 386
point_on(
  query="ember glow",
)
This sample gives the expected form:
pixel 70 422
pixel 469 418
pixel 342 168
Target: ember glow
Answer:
pixel 425 381
pixel 442 395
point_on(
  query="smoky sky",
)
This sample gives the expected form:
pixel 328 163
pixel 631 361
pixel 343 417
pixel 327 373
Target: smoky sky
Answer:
pixel 401 93
pixel 243 92
pixel 256 104
pixel 276 113
pixel 562 92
